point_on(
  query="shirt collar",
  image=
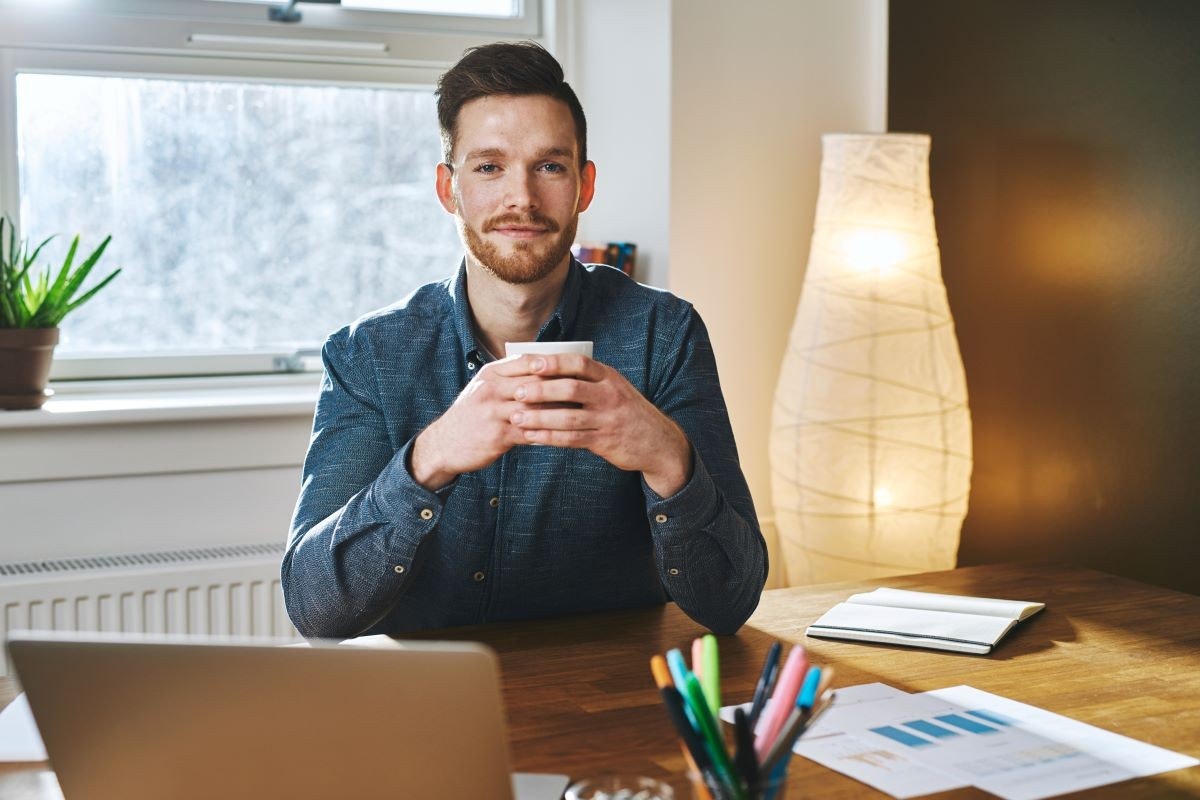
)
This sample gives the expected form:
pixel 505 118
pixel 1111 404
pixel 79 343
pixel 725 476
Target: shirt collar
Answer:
pixel 554 329
pixel 472 351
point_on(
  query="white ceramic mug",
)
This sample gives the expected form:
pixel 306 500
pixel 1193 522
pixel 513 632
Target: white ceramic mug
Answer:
pixel 547 348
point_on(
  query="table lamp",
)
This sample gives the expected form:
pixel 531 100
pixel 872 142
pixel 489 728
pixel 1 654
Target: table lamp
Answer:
pixel 871 435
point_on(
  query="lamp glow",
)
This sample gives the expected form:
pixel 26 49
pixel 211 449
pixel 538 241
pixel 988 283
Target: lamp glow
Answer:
pixel 883 497
pixel 868 250
pixel 871 435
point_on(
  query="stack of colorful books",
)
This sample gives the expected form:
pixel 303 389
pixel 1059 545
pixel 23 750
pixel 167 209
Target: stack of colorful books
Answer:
pixel 622 255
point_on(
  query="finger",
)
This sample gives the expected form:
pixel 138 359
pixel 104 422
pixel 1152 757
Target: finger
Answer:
pixel 559 419
pixel 575 365
pixel 512 434
pixel 555 390
pixel 516 366
pixel 576 439
pixel 491 388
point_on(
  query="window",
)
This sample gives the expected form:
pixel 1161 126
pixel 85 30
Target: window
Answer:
pixel 247 216
pixel 261 190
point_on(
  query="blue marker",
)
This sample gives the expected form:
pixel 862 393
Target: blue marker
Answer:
pixel 679 673
pixel 808 691
pixel 678 668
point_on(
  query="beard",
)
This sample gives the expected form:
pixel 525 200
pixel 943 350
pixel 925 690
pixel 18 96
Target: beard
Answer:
pixel 528 262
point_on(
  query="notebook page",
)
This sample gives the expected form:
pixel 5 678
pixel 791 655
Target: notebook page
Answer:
pixel 901 598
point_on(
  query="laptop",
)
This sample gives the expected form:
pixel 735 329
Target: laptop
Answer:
pixel 151 719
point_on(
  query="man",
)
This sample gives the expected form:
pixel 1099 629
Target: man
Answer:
pixel 424 502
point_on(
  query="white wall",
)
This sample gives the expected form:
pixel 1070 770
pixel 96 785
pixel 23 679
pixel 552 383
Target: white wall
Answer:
pixel 80 489
pixel 753 87
pixel 705 120
pixel 619 61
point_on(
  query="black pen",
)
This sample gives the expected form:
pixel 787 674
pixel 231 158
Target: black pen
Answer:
pixel 744 759
pixel 673 700
pixel 765 683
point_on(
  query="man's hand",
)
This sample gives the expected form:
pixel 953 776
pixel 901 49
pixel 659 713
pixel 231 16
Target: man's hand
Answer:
pixel 476 429
pixel 609 417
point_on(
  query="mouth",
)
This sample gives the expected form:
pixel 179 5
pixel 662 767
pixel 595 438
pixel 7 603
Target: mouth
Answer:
pixel 520 231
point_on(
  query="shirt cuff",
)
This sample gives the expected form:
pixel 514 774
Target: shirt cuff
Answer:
pixel 398 497
pixel 691 508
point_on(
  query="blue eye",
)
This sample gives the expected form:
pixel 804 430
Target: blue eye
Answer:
pixel 487 169
pixel 554 168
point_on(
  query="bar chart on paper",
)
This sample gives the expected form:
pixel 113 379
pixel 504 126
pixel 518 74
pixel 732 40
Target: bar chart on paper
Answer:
pixel 973 721
pixel 910 745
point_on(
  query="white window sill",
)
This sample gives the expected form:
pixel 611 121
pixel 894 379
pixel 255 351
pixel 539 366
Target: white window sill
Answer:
pixel 88 403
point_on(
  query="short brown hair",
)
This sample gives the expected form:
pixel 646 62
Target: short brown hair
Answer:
pixel 516 68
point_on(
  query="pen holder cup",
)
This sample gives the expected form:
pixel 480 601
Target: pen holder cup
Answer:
pixel 767 789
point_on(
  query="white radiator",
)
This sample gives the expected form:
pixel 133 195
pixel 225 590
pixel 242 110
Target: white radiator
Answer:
pixel 230 590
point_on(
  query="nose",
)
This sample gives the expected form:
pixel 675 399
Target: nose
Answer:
pixel 519 191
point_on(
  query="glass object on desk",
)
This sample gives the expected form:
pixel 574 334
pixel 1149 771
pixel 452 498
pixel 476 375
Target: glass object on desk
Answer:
pixel 620 787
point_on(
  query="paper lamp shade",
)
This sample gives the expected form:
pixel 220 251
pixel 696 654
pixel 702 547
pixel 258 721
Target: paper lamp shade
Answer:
pixel 871 434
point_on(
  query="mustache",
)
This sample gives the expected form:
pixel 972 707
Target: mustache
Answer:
pixel 531 220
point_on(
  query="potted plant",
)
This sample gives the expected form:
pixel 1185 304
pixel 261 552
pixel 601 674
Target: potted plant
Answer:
pixel 32 305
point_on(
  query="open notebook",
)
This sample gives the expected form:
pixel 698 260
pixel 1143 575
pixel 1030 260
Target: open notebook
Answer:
pixel 923 619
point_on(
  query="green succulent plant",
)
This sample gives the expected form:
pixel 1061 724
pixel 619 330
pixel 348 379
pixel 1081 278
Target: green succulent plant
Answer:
pixel 30 299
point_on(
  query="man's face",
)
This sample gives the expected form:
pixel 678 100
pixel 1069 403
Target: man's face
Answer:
pixel 516 187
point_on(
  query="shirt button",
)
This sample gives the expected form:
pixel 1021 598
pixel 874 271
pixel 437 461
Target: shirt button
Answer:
pixel 426 513
pixel 478 576
pixel 673 571
pixel 398 569
pixel 470 365
pixel 495 501
pixel 660 518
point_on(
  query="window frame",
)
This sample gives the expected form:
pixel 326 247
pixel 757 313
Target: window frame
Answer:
pixel 526 22
pixel 137 38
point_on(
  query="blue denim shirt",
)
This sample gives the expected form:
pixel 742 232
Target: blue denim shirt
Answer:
pixel 543 531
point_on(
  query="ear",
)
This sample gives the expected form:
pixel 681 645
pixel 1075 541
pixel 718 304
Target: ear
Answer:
pixel 587 186
pixel 444 186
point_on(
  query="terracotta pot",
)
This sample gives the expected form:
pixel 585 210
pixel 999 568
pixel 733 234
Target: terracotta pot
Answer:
pixel 25 356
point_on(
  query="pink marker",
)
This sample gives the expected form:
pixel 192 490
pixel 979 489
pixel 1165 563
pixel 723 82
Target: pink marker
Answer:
pixel 698 658
pixel 781 702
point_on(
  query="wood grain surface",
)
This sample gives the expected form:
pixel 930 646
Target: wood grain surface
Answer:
pixel 1111 652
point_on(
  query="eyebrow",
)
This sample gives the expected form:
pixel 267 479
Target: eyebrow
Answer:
pixel 491 152
pixel 561 152
pixel 495 152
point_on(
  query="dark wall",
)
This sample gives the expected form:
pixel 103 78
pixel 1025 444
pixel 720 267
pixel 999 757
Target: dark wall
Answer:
pixel 1066 186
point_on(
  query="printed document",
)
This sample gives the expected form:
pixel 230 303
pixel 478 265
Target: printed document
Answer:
pixel 908 745
pixel 19 737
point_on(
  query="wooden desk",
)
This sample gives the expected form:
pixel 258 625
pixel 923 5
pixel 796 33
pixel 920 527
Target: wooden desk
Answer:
pixel 1107 651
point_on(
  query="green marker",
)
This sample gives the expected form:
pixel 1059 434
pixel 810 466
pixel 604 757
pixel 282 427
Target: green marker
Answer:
pixel 712 737
pixel 711 681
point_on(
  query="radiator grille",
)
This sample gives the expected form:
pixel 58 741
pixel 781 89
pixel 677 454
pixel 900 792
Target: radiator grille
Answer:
pixel 204 554
pixel 231 590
